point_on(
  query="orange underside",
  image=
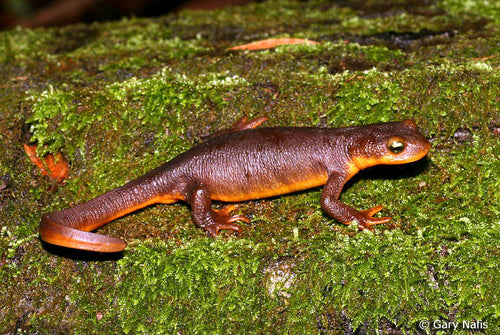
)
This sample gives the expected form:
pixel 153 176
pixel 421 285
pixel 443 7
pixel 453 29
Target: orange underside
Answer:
pixel 156 200
pixel 241 196
pixel 315 181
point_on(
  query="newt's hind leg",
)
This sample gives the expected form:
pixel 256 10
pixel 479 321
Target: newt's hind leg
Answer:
pixel 241 124
pixel 208 219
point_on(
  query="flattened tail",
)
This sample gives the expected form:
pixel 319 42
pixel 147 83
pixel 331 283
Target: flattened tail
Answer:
pixel 57 234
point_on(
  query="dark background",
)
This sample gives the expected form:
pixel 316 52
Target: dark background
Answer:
pixel 46 13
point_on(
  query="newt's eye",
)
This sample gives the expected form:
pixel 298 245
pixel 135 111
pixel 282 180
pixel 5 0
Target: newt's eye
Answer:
pixel 395 145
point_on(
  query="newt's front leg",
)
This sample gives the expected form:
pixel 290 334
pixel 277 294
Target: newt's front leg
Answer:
pixel 344 213
pixel 207 218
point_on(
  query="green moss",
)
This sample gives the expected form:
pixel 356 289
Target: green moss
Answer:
pixel 178 288
pixel 21 45
pixel 65 120
pixel 373 96
pixel 486 9
pixel 175 288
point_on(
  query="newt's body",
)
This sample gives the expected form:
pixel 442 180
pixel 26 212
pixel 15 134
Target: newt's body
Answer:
pixel 245 164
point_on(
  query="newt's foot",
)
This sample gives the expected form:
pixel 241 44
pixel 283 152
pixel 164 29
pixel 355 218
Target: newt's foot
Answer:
pixel 366 221
pixel 222 219
pixel 243 123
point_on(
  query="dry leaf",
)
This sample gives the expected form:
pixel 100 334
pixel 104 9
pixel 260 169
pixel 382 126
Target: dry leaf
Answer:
pixel 271 43
pixel 55 167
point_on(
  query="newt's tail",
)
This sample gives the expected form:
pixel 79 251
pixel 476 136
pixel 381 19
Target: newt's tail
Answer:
pixel 55 233
pixel 72 227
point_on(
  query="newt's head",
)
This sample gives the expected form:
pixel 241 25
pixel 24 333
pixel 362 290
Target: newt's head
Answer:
pixel 389 143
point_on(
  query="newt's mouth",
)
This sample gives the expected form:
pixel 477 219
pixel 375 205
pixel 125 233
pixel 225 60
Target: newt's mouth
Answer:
pixel 409 156
pixel 426 147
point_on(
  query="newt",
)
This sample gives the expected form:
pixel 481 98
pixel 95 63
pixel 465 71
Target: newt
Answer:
pixel 245 163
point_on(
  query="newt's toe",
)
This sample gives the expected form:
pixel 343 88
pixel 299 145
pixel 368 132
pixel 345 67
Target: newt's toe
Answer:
pixel 213 230
pixel 222 220
pixel 225 211
pixel 243 123
pixel 368 220
pixel 238 218
pixel 372 211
